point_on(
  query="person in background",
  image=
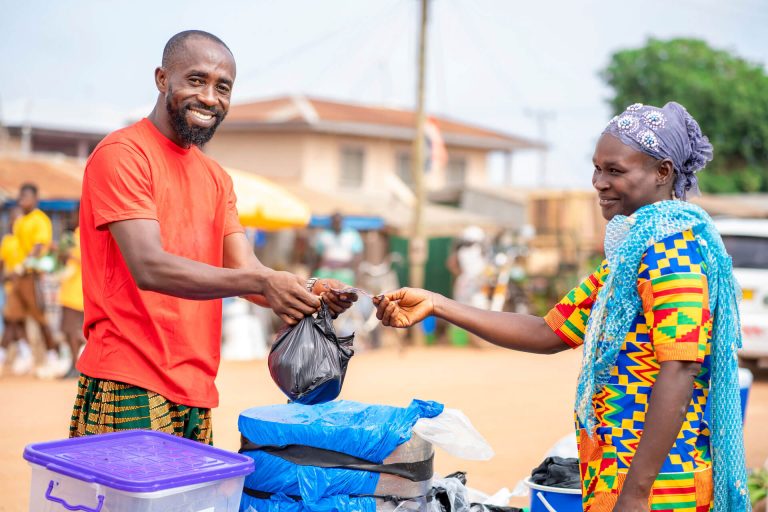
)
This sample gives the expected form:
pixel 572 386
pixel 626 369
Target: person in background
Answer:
pixel 12 261
pixel 34 231
pixel 658 322
pixel 467 263
pixel 71 300
pixel 340 250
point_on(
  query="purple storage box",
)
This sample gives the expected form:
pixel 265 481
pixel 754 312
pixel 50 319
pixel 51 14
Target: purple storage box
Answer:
pixel 135 461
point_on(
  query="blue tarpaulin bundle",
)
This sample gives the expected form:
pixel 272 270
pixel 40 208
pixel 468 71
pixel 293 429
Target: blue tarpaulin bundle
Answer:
pixel 290 442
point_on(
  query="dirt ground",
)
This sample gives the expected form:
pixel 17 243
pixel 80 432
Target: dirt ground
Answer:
pixel 521 404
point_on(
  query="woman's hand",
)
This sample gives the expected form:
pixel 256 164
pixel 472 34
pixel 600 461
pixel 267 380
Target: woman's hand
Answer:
pixel 404 307
pixel 627 504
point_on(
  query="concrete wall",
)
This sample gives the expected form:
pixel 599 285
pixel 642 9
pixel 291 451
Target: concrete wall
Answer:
pixel 274 155
pixel 477 169
pixel 315 159
pixel 11 144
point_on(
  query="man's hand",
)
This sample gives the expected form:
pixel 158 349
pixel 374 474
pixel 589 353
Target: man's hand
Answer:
pixel 404 307
pixel 337 295
pixel 288 297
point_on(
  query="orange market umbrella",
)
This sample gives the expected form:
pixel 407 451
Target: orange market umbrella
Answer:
pixel 265 205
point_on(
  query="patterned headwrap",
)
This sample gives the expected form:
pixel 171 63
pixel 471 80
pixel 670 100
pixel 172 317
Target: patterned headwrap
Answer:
pixel 668 132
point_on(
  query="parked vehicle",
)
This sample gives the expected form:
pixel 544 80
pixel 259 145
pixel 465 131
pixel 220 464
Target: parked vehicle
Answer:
pixel 747 242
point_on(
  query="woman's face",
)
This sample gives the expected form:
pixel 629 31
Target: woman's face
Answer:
pixel 626 179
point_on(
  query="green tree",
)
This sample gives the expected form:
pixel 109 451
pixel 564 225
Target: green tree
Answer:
pixel 726 94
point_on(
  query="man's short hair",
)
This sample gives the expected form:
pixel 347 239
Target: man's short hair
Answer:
pixel 176 44
pixel 28 187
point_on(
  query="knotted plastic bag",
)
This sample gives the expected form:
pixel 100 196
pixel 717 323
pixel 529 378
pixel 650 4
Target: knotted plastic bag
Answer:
pixel 308 361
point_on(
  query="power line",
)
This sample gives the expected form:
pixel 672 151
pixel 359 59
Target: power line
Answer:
pixel 388 27
pixel 551 64
pixel 354 36
pixel 293 53
pixel 481 44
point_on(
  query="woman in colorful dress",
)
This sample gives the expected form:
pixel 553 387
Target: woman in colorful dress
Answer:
pixel 658 324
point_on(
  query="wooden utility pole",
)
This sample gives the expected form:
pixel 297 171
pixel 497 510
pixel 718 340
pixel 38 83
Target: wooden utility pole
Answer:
pixel 418 243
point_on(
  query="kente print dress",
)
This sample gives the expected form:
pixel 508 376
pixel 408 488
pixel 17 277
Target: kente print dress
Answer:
pixel 674 324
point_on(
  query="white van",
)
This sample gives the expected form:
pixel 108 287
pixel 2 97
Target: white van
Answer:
pixel 747 242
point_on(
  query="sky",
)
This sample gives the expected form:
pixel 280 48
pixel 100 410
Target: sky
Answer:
pixel 502 64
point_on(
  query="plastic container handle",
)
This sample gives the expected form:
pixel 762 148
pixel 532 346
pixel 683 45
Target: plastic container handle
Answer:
pixel 49 496
pixel 545 502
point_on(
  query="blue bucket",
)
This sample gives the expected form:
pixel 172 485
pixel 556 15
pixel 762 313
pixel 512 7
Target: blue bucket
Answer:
pixel 553 499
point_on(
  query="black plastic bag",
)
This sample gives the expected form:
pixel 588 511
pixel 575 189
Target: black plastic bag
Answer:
pixel 558 472
pixel 308 361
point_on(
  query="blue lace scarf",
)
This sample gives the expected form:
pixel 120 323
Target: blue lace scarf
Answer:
pixel 618 303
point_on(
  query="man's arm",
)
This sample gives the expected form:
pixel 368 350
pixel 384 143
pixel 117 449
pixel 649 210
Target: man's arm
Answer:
pixel 667 407
pixel 156 270
pixel 526 333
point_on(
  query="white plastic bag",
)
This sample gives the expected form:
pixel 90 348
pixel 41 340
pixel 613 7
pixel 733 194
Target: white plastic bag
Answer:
pixel 453 432
pixel 565 447
pixel 500 499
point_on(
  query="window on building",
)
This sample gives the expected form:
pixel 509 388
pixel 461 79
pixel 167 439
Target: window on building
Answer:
pixel 352 163
pixel 456 171
pixel 404 171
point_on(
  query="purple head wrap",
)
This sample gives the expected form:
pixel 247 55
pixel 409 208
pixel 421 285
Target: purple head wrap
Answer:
pixel 668 132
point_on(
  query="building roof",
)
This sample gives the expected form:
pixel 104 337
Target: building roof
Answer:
pixel 56 178
pixel 304 113
pixel 58 132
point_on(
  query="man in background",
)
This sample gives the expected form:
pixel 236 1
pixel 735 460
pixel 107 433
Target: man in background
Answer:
pixel 340 250
pixel 14 329
pixel 34 233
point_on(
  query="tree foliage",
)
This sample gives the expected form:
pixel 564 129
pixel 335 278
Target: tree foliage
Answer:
pixel 726 94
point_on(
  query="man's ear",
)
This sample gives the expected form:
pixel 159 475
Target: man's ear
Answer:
pixel 161 80
pixel 665 172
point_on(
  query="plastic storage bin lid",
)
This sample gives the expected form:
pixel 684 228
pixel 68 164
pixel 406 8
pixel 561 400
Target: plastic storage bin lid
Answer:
pixel 138 460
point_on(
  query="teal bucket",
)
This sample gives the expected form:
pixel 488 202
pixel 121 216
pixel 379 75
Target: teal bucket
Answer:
pixel 553 499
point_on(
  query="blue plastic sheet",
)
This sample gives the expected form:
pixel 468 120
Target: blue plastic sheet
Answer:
pixel 273 474
pixel 278 503
pixel 370 432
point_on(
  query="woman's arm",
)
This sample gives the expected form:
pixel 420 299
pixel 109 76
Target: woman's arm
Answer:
pixel 667 407
pixel 526 333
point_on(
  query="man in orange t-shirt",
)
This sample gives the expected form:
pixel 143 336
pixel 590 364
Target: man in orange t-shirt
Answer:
pixel 161 245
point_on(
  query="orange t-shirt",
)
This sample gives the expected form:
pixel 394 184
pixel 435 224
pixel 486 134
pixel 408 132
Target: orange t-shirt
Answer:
pixel 161 343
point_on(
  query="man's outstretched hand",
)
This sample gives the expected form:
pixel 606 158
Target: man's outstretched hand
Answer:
pixel 337 295
pixel 404 307
pixel 286 295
